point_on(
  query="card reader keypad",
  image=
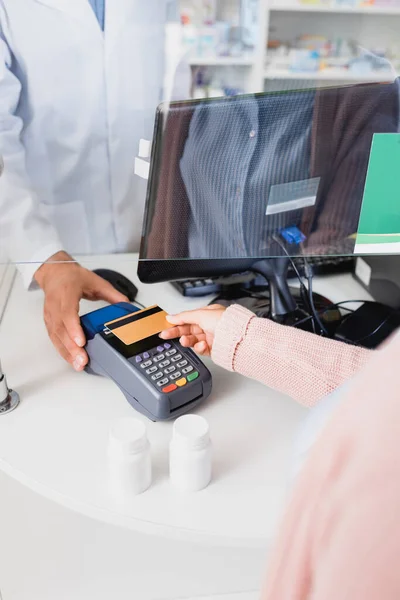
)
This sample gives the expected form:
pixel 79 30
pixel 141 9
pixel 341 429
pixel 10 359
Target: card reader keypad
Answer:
pixel 176 358
pixel 176 375
pixel 166 368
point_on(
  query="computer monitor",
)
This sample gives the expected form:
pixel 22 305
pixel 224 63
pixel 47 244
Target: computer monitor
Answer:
pixel 240 183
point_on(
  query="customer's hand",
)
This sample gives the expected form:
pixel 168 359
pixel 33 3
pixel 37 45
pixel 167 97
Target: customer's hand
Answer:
pixel 64 285
pixel 195 328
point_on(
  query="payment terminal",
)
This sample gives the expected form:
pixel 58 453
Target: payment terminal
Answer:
pixel 161 380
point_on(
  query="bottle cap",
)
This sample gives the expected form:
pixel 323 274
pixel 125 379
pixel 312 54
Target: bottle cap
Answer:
pixel 127 436
pixel 191 432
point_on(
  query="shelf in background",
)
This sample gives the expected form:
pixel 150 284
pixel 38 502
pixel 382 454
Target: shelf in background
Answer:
pixel 221 61
pixel 357 10
pixel 327 75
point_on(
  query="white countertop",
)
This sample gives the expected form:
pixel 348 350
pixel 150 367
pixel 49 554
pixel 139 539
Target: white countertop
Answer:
pixel 55 442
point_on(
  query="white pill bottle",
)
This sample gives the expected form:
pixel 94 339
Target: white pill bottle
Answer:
pixel 129 457
pixel 190 454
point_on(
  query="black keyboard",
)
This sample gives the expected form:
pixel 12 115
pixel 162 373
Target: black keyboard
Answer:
pixel 327 265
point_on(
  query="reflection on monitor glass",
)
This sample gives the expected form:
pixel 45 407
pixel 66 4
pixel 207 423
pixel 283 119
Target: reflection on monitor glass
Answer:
pixel 257 176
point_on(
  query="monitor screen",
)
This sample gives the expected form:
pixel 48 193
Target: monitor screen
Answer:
pixel 235 180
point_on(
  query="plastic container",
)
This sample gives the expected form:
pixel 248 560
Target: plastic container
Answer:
pixel 129 457
pixel 190 454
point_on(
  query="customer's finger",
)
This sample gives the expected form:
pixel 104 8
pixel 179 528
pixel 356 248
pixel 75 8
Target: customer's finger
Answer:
pixel 189 317
pixel 202 348
pixel 180 330
pixel 188 341
pixel 170 334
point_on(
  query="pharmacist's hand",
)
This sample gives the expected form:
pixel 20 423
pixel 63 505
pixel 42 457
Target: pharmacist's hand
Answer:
pixel 195 328
pixel 64 285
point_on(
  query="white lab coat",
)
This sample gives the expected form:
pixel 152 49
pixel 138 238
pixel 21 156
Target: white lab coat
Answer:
pixel 74 103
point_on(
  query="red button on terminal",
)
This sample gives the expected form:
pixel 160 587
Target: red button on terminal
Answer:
pixel 170 388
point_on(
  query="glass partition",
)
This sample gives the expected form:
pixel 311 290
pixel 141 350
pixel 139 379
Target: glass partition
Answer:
pixel 78 104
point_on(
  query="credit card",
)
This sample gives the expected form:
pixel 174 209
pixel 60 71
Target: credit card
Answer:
pixel 139 325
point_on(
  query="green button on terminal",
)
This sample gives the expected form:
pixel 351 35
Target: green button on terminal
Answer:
pixel 192 376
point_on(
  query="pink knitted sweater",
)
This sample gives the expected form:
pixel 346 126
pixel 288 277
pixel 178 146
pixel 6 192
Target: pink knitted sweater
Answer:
pixel 340 538
pixel 302 365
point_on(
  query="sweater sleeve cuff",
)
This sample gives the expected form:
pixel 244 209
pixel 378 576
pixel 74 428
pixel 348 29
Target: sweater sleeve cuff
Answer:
pixel 230 331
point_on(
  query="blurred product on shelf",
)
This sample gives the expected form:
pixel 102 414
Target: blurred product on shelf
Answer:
pixel 311 53
pixel 247 46
pixel 206 35
pixel 208 84
pixel 249 22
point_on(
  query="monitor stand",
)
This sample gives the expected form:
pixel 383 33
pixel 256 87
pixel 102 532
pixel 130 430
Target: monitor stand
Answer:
pixel 279 302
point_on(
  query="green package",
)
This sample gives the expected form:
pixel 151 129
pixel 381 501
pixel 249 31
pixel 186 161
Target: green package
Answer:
pixel 380 212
